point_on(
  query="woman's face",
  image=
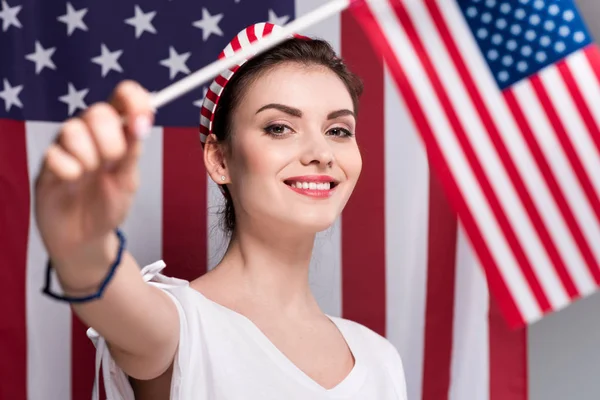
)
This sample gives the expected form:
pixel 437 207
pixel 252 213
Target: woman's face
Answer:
pixel 294 160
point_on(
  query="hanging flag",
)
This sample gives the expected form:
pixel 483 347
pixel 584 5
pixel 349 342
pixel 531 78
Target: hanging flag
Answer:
pixel 505 94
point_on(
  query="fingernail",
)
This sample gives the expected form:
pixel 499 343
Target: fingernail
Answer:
pixel 142 126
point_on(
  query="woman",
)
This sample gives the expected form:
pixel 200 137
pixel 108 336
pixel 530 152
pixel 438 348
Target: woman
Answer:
pixel 278 138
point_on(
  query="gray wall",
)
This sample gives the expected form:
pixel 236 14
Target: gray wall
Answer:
pixel 564 348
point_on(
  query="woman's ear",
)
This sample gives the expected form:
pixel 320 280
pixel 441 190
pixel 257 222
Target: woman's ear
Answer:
pixel 214 160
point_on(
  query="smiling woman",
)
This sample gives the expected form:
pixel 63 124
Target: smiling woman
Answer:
pixel 279 138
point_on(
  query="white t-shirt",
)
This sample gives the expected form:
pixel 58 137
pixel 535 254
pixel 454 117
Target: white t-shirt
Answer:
pixel 222 355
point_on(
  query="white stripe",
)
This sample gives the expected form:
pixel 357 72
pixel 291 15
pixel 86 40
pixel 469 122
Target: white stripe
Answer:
pixel 228 50
pixel 259 29
pixel 516 145
pixel 143 226
pixel 468 185
pixel 326 262
pixel 587 82
pixel 470 365
pixel 204 121
pixel 48 321
pixel 216 88
pixel 209 104
pixel 575 127
pixel 487 156
pixel 243 39
pixel 557 160
pixel 406 235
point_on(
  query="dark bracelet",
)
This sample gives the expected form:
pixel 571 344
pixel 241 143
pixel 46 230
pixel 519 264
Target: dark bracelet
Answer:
pixel 100 292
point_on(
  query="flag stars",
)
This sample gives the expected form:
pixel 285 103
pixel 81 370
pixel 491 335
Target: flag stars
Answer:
pixel 471 12
pixel 274 19
pixel 10 95
pixel 74 99
pixel 42 57
pixel 553 10
pixel 176 62
pixel 564 31
pixel 209 24
pixel 142 22
pixel 541 56
pixel 539 4
pixel 108 60
pixel 569 15
pixel 8 15
pixel 579 36
pixel 74 19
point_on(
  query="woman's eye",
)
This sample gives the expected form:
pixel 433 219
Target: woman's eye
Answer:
pixel 277 129
pixel 340 132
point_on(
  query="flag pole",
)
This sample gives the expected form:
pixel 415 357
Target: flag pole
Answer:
pixel 194 80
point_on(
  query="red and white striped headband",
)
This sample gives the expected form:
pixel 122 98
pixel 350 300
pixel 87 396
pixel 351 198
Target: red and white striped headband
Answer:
pixel 243 39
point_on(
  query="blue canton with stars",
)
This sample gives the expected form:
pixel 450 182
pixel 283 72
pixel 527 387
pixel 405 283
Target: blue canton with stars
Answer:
pixel 58 57
pixel 520 37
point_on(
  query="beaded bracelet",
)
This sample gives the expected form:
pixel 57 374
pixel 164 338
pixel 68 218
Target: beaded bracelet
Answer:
pixel 111 272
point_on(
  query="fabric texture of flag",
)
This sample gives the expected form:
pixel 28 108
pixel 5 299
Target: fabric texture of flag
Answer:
pixel 504 95
pixel 398 260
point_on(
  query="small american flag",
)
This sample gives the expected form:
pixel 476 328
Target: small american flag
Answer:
pixel 505 94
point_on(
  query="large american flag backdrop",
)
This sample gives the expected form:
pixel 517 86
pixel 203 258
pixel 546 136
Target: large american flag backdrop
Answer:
pixel 398 260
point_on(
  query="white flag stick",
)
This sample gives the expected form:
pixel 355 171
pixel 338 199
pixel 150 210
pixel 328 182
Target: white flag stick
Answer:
pixel 194 80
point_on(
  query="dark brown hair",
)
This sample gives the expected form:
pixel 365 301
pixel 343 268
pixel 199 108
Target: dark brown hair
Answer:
pixel 309 52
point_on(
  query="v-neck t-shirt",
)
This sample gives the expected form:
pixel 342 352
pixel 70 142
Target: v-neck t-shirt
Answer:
pixel 223 355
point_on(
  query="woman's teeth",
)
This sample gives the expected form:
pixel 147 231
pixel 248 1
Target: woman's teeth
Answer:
pixel 311 185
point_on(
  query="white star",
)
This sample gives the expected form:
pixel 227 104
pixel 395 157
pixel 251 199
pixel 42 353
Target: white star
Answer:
pixel 198 103
pixel 176 62
pixel 108 60
pixel 10 95
pixel 209 24
pixel 74 19
pixel 42 57
pixel 74 98
pixel 274 19
pixel 141 22
pixel 8 15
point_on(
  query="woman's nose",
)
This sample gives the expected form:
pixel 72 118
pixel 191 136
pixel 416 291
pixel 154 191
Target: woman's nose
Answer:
pixel 317 149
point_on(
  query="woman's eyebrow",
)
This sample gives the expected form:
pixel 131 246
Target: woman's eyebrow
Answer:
pixel 286 109
pixel 298 113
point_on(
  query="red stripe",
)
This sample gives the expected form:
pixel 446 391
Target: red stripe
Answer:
pixel 363 256
pixel 579 101
pixel 268 29
pixel 438 162
pixel 567 146
pixel 184 204
pixel 471 157
pixel 251 34
pixel 508 358
pixel 439 313
pixel 83 356
pixel 550 180
pixel 592 54
pixel 212 96
pixel 220 79
pixel 235 44
pixel 503 154
pixel 14 220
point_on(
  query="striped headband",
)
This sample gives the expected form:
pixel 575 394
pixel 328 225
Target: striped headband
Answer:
pixel 243 39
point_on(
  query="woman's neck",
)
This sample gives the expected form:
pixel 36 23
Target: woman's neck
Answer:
pixel 268 270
